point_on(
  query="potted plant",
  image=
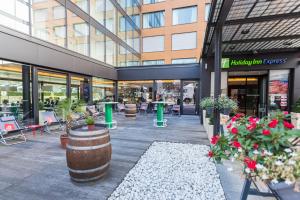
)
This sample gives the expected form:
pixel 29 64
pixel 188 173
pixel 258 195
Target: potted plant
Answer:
pixel 208 104
pixel 226 105
pixel 65 110
pixel 90 123
pixel 263 146
pixel 210 128
pixel 296 114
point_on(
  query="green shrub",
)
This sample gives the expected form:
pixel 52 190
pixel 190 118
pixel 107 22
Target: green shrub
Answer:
pixel 90 120
pixel 296 107
pixel 207 102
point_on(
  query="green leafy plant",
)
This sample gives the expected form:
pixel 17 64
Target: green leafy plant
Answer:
pixel 224 102
pixel 90 120
pixel 65 110
pixel 207 102
pixel 264 146
pixel 211 121
pixel 296 107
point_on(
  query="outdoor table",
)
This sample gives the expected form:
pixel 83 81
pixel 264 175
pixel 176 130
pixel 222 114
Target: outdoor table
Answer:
pixel 111 124
pixel 160 121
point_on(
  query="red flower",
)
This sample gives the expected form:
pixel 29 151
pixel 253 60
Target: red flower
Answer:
pixel 253 120
pixel 288 125
pixel 273 123
pixel 251 127
pixel 215 139
pixel 234 118
pixel 229 126
pixel 234 131
pixel 255 146
pixel 285 112
pixel 239 115
pixel 251 164
pixel 236 144
pixel 210 154
pixel 266 132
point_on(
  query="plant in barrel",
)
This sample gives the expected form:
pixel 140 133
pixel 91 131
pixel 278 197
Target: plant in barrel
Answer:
pixel 90 121
pixel 266 147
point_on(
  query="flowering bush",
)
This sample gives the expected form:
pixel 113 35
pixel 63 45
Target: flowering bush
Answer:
pixel 265 146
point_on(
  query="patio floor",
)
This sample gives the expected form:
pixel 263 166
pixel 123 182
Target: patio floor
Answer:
pixel 37 169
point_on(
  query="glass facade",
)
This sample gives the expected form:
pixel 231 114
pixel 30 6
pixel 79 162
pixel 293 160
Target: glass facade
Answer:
pixel 103 89
pixel 184 60
pixel 153 62
pixel 49 20
pixel 168 90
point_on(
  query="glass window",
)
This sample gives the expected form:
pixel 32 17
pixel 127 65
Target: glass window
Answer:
pixel 111 51
pixel 122 26
pixel 153 62
pixel 184 60
pixel 154 19
pixel 152 44
pixel 121 57
pixel 207 11
pixel 136 20
pixel 46 26
pixel 168 90
pixel 110 16
pixel 152 1
pixel 135 91
pixel 185 15
pixel 97 9
pixel 78 34
pixel 183 41
pixel 97 44
pixel 79 88
pixel 59 12
pixel 103 89
pixel 83 4
pixel 136 41
pixel 15 14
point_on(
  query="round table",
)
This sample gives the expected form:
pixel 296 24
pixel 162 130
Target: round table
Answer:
pixel 160 121
pixel 111 124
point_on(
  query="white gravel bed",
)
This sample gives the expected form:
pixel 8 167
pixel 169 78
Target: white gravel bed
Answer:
pixel 172 171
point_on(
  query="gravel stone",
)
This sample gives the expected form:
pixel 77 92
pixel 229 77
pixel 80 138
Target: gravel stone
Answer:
pixel 172 171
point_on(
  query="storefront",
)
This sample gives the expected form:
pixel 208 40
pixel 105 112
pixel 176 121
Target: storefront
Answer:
pixel 259 83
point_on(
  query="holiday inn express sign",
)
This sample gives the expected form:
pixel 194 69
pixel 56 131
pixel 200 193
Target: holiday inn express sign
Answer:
pixel 228 62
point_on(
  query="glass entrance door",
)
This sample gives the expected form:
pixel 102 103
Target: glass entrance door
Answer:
pixel 190 97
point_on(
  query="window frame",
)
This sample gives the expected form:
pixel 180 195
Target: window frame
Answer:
pixel 196 20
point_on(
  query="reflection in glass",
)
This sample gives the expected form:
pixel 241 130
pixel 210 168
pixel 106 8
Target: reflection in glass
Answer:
pixel 185 15
pixel 15 14
pixel 111 50
pixel 97 9
pixel 97 44
pixel 78 34
pixel 168 90
pixel 154 19
pixel 103 90
pixel 83 4
pixel 110 16
pixel 48 22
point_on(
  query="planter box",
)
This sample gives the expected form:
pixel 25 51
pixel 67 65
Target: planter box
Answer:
pixel 207 123
pixel 296 120
pixel 203 116
pixel 210 132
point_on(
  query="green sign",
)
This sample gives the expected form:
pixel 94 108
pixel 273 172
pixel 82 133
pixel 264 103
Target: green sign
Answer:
pixel 228 63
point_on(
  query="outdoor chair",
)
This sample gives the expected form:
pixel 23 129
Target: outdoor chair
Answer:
pixel 143 108
pixel 93 111
pixel 121 107
pixel 48 118
pixel 10 130
pixel 176 110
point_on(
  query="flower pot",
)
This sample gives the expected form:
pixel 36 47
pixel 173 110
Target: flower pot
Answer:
pixel 203 116
pixel 64 139
pixel 91 127
pixel 210 131
pixel 226 111
pixel 296 120
pixel 209 111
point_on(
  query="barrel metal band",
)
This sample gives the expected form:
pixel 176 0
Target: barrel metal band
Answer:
pixel 89 170
pixel 87 147
pixel 87 138
pixel 88 179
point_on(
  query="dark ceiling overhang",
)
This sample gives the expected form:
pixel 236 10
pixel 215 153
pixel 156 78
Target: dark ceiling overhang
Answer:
pixel 254 26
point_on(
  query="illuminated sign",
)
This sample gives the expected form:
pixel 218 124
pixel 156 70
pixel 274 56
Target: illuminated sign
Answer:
pixel 228 63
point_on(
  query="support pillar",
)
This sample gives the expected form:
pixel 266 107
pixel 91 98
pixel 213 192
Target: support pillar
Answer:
pixel 26 91
pixel 35 95
pixel 217 64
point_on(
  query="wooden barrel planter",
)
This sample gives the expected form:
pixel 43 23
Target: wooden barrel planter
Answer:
pixel 88 153
pixel 130 110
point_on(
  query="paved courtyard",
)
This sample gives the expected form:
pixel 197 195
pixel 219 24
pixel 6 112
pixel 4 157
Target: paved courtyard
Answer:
pixel 37 169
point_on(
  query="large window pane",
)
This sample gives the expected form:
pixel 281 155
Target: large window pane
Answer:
pixel 184 60
pixel 78 34
pixel 103 89
pixel 122 27
pixel 153 62
pixel 152 44
pixel 185 15
pixel 14 14
pixel 97 44
pixel 152 1
pixel 154 19
pixel 97 9
pixel 110 17
pixel 207 11
pixel 168 90
pixel 136 41
pixel 121 57
pixel 48 22
pixel 83 4
pixel 111 52
pixel 184 41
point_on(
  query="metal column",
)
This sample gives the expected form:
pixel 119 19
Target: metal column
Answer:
pixel 217 64
pixel 26 89
pixel 35 95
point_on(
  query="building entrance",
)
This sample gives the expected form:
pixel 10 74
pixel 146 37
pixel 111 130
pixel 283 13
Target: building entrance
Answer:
pixel 250 91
